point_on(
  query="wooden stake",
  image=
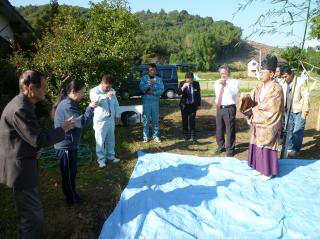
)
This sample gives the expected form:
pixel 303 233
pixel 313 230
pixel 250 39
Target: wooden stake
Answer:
pixel 318 121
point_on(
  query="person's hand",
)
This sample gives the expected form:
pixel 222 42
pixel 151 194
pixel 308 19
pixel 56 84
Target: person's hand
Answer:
pixel 149 92
pixel 248 113
pixel 117 121
pixel 249 121
pixel 94 104
pixel 222 81
pixel 109 94
pixel 69 124
pixel 38 154
pixel 151 82
pixel 185 85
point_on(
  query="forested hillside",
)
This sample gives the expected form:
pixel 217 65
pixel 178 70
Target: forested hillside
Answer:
pixel 174 37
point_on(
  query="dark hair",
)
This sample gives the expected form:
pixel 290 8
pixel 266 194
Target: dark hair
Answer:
pixel 287 69
pixel 108 78
pixel 189 75
pixel 74 85
pixel 152 65
pixel 269 63
pixel 225 67
pixel 30 77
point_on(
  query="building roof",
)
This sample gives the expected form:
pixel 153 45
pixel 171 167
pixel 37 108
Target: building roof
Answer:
pixel 17 22
pixel 252 60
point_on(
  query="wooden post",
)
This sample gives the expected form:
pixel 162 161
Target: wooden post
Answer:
pixel 318 121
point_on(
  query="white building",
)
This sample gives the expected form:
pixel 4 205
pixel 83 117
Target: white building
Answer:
pixel 253 67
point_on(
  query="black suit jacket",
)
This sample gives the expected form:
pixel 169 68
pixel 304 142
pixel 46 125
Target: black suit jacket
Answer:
pixel 20 139
pixel 185 93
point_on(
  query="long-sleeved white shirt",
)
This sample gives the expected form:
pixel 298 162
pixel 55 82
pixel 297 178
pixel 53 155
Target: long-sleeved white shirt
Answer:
pixel 108 108
pixel 230 92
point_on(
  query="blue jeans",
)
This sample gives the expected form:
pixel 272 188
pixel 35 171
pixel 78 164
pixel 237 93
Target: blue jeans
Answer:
pixel 150 110
pixel 296 129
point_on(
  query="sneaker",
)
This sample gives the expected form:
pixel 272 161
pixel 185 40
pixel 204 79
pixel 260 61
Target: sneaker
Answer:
pixel 157 140
pixel 292 153
pixel 116 160
pixel 145 140
pixel 102 164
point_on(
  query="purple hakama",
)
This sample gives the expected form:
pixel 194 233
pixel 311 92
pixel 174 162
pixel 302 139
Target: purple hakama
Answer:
pixel 264 160
pixel 266 124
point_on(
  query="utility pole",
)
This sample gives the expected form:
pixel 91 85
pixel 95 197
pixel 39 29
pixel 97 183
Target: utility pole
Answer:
pixel 260 59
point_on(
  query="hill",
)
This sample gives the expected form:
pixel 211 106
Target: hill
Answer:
pixel 249 50
pixel 177 37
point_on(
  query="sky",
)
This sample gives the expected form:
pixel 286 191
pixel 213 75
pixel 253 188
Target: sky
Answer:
pixel 217 9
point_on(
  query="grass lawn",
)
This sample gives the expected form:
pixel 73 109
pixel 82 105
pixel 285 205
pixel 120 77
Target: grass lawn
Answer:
pixel 101 188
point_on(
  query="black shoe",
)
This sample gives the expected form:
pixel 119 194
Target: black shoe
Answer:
pixel 230 154
pixel 69 203
pixel 218 152
pixel 77 199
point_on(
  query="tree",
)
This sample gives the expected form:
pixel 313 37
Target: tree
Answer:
pixel 285 13
pixel 293 55
pixel 315 23
pixel 85 46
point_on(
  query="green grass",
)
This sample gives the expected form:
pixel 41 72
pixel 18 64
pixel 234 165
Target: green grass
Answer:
pixel 214 75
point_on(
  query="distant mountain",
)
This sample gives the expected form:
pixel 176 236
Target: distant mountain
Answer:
pixel 249 50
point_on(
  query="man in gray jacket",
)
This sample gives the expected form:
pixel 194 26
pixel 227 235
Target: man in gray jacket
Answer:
pixel 21 140
pixel 296 103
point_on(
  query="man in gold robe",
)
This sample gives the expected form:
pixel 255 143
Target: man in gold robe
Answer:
pixel 265 119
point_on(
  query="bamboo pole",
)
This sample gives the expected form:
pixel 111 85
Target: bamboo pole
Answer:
pixel 318 121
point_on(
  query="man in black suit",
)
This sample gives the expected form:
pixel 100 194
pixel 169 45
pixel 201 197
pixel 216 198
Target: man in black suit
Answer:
pixel 189 104
pixel 21 140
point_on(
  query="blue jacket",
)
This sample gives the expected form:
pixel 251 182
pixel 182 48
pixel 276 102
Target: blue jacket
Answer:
pixel 67 108
pixel 157 88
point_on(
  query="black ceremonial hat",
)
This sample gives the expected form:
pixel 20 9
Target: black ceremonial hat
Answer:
pixel 270 63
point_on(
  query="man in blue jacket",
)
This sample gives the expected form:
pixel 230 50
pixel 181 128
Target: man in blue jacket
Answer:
pixel 152 88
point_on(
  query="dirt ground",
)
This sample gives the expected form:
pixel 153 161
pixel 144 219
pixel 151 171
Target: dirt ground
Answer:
pixel 173 141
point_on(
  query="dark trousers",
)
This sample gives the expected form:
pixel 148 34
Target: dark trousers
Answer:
pixel 29 213
pixel 226 123
pixel 68 166
pixel 188 113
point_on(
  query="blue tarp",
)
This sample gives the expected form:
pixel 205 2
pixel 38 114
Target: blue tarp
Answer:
pixel 178 196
